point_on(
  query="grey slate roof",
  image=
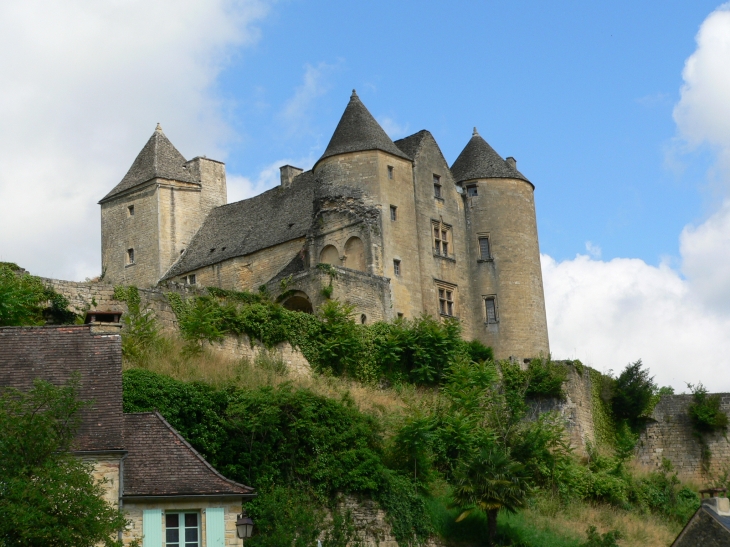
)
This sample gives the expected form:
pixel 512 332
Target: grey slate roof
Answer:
pixel 237 229
pixel 161 463
pixel 478 160
pixel 359 131
pixel 705 528
pixel 158 159
pixel 54 354
pixel 410 145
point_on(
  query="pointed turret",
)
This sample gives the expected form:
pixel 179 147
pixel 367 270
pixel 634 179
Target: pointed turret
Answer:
pixel 359 131
pixel 158 159
pixel 478 160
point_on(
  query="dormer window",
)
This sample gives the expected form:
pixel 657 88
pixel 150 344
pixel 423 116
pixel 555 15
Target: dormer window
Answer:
pixel 471 190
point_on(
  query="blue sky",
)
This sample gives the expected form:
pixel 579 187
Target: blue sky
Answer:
pixel 618 112
pixel 581 93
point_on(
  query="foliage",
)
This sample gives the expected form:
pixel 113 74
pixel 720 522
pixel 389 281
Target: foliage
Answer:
pixel 543 378
pixel 47 496
pixel 603 424
pixel 609 539
pixel 633 391
pixel 705 412
pixel 25 300
pixel 141 331
pixel 285 516
pixel 405 508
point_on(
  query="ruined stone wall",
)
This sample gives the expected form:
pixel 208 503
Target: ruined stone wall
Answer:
pixel 670 436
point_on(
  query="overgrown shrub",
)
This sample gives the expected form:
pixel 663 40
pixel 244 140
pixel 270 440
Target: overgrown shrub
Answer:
pixel 25 300
pixel 705 412
pixel 632 395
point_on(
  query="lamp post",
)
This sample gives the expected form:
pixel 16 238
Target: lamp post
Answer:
pixel 244 526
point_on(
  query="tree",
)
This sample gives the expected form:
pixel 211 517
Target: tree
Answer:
pixel 24 299
pixel 490 482
pixel 632 393
pixel 48 497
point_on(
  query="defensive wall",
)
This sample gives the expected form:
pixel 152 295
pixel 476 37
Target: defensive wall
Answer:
pixel 668 435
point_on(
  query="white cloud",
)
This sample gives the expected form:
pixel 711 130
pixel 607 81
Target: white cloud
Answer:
pixel 593 249
pixel 83 85
pixel 240 187
pixel 392 128
pixel 678 321
pixel 297 110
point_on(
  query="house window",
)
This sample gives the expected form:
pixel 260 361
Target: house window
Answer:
pixel 182 530
pixel 441 238
pixel 390 172
pixel 130 256
pixel 396 267
pixel 190 279
pixel 471 190
pixel 490 309
pixel 485 250
pixel 446 300
pixel 437 187
pixel 393 212
pixel 130 211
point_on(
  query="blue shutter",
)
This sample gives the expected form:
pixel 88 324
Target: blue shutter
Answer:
pixel 152 528
pixel 215 527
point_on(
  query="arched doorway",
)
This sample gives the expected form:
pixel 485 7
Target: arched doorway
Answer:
pixel 355 254
pixel 298 301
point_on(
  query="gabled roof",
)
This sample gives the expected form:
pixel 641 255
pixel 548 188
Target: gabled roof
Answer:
pixel 158 159
pixel 410 145
pixel 706 528
pixel 478 160
pixel 358 131
pixel 54 354
pixel 238 229
pixel 161 463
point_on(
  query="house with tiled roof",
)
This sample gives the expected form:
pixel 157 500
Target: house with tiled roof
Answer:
pixel 171 495
pixel 709 526
pixel 401 231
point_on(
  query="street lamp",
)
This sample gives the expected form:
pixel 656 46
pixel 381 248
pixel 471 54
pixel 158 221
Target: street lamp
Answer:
pixel 244 526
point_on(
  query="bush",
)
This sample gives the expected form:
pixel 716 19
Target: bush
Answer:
pixel 633 391
pixel 705 412
pixel 25 300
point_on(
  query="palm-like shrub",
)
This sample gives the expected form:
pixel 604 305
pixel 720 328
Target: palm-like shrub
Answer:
pixel 490 482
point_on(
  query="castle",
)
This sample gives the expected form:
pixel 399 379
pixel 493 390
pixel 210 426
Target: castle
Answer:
pixel 400 231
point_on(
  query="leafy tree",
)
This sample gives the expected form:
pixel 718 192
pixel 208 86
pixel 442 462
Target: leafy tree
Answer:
pixel 705 412
pixel 490 482
pixel 633 391
pixel 48 497
pixel 24 300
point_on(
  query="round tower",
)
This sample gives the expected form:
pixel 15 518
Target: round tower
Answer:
pixel 504 252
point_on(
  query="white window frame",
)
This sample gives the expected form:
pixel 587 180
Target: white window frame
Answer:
pixel 181 520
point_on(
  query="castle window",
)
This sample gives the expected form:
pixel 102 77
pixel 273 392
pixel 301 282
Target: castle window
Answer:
pixel 441 238
pixel 363 318
pixel 490 309
pixel 130 211
pixel 485 250
pixel 182 530
pixel 400 315
pixel 437 187
pixel 190 279
pixel 130 256
pixel 396 267
pixel 390 172
pixel 446 298
pixel 393 212
pixel 471 190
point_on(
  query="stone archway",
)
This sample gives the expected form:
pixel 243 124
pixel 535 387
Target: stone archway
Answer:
pixel 355 254
pixel 298 301
pixel 330 255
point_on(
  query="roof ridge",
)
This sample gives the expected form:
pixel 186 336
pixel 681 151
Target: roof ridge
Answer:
pixel 358 131
pixel 478 160
pixel 195 452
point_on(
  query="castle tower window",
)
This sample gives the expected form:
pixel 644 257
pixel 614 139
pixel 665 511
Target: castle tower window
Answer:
pixel 130 256
pixel 390 172
pixel 400 315
pixel 437 187
pixel 490 309
pixel 396 267
pixel 471 190
pixel 446 299
pixel 441 238
pixel 485 250
pixel 130 210
pixel 393 212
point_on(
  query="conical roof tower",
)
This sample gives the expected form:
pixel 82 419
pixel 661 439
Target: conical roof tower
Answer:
pixel 478 160
pixel 359 131
pixel 158 159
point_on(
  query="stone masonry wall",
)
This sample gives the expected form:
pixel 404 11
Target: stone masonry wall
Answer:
pixel 671 436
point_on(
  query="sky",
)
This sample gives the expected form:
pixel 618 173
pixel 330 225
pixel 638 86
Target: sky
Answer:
pixel 618 112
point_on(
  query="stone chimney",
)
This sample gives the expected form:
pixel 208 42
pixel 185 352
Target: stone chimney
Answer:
pixel 288 173
pixel 512 162
pixel 719 505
